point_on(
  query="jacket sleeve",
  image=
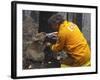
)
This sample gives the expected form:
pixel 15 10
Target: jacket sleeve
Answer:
pixel 60 42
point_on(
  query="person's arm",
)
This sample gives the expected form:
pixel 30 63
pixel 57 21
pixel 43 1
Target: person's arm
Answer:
pixel 60 42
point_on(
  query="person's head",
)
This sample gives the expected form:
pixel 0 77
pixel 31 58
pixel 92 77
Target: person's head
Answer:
pixel 55 21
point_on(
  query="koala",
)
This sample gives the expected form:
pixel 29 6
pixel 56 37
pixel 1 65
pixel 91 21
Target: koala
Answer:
pixel 34 53
pixel 35 50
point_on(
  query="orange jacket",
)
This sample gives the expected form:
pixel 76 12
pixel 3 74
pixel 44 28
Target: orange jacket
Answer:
pixel 71 40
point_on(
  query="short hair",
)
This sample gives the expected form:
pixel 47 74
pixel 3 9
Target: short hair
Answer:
pixel 55 19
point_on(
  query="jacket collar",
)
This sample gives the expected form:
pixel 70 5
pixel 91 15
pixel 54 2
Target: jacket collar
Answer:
pixel 63 25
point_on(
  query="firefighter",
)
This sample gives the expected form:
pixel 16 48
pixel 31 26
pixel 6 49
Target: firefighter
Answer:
pixel 71 40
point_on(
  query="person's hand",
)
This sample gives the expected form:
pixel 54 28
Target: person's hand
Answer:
pixel 52 34
pixel 55 33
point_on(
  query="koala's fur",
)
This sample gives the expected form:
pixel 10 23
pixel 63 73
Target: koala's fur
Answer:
pixel 35 49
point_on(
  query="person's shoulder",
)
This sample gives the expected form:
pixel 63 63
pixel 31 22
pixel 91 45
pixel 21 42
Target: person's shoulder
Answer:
pixel 71 26
pixel 71 23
